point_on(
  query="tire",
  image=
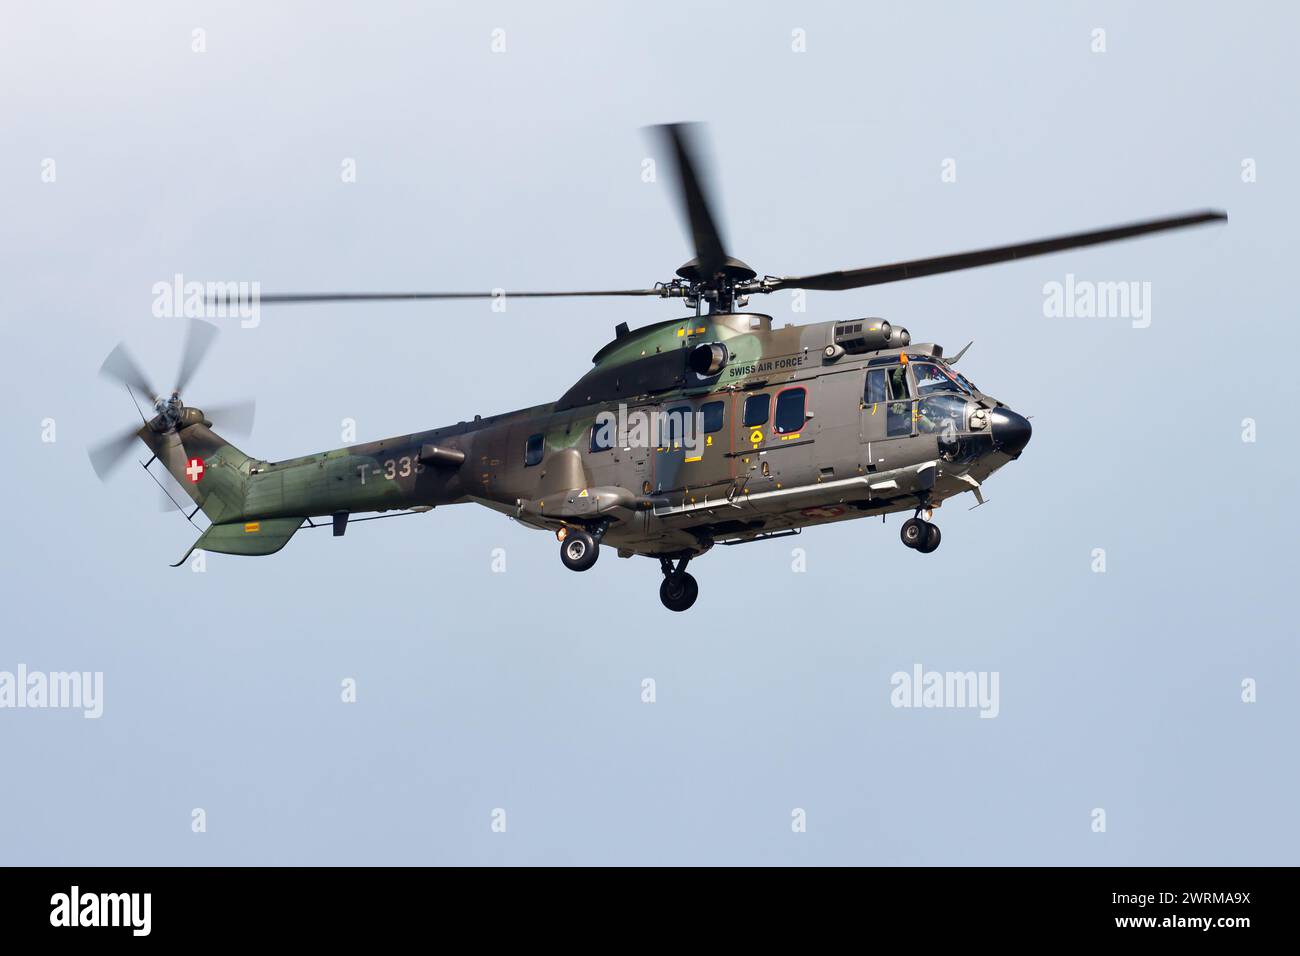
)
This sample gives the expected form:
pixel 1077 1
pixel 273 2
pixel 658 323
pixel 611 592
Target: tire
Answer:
pixel 932 538
pixel 679 591
pixel 579 550
pixel 913 532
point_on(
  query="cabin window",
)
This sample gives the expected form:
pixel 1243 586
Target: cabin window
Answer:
pixel 674 426
pixel 603 434
pixel 790 415
pixel 756 410
pixel 533 450
pixel 712 412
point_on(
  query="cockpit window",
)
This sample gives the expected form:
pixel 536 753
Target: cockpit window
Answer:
pixel 934 378
pixel 942 412
pixel 875 392
pixel 886 385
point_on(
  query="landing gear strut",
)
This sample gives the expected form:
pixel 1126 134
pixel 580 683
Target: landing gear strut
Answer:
pixel 679 589
pixel 919 534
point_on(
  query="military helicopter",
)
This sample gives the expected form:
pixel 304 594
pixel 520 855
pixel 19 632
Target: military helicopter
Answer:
pixel 714 428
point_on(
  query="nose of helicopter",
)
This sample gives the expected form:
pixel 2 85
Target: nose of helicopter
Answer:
pixel 1011 431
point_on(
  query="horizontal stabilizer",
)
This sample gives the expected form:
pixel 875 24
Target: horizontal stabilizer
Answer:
pixel 263 536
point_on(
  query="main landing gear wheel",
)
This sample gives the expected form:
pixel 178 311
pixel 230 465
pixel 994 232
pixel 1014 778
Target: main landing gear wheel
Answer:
pixel 920 535
pixel 579 550
pixel 932 538
pixel 679 591
pixel 913 532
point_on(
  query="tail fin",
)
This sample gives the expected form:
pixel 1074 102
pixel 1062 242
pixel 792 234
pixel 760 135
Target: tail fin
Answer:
pixel 212 471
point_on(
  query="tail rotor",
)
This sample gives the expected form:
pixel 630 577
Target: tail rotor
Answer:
pixel 171 415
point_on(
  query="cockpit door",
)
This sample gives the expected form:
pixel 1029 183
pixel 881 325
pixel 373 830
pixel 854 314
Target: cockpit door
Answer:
pixel 888 414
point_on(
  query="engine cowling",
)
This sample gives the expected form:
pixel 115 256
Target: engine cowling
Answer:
pixel 863 335
pixel 899 338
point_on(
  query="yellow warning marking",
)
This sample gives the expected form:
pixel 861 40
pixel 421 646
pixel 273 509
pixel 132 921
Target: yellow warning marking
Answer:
pixel 251 527
pixel 873 407
pixel 699 331
pixel 680 333
pixel 790 437
pixel 696 458
pixel 583 493
pixel 756 435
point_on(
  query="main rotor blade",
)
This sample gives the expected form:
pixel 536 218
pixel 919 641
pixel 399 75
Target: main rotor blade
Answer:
pixel 122 368
pixel 233 417
pixel 682 141
pixel 106 456
pixel 915 268
pixel 198 340
pixel 293 297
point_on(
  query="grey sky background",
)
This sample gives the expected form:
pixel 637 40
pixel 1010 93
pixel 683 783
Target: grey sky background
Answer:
pixel 522 690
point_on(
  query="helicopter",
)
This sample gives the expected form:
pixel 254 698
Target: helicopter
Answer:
pixel 713 428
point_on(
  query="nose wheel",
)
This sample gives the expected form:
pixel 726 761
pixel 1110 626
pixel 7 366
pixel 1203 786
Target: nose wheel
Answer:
pixel 679 589
pixel 920 535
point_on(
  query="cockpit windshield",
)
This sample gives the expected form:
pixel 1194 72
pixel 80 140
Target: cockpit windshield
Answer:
pixel 932 377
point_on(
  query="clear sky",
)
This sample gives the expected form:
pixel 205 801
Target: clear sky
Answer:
pixel 522 690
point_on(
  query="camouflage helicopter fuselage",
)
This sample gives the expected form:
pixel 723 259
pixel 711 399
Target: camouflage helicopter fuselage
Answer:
pixel 724 430
pixel 800 426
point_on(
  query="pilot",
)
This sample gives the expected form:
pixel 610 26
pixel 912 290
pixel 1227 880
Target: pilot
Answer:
pixel 898 382
pixel 924 422
pixel 899 420
pixel 930 378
